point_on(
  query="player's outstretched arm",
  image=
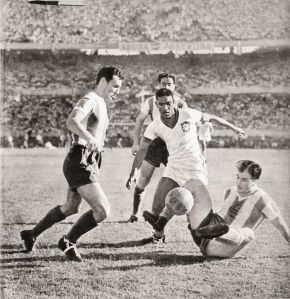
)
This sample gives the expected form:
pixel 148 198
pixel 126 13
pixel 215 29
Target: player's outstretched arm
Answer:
pixel 281 225
pixel 137 132
pixel 138 161
pixel 223 122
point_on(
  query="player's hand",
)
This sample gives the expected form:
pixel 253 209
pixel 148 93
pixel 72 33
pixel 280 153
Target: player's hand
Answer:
pixel 130 181
pixel 93 144
pixel 240 132
pixel 135 149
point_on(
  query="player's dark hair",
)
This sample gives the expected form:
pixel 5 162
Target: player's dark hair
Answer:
pixel 254 169
pixel 108 72
pixel 163 92
pixel 166 75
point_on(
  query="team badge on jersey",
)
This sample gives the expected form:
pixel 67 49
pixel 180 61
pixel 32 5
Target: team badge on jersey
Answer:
pixel 185 126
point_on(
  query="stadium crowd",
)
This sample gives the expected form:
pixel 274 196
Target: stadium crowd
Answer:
pixel 41 88
pixel 112 21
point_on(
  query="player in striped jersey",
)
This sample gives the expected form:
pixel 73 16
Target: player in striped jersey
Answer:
pixel 157 153
pixel 88 123
pixel 245 207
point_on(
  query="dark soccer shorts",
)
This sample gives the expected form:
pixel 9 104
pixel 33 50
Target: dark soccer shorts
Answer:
pixel 211 218
pixel 157 153
pixel 81 167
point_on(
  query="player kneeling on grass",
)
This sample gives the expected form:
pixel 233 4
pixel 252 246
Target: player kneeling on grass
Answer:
pixel 245 207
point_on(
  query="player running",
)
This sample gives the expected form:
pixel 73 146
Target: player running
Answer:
pixel 244 209
pixel 186 165
pixel 88 123
pixel 204 130
pixel 157 152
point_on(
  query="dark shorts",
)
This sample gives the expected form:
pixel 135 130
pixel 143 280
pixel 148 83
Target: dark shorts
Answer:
pixel 211 218
pixel 81 167
pixel 157 153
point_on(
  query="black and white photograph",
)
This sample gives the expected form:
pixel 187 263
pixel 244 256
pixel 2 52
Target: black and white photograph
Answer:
pixel 145 149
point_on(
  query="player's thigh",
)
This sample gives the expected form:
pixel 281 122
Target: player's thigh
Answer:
pixel 202 202
pixel 146 173
pixel 164 186
pixel 73 201
pixel 94 195
pixel 218 249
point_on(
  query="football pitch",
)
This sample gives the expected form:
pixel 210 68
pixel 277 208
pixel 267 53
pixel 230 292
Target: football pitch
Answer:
pixel 116 265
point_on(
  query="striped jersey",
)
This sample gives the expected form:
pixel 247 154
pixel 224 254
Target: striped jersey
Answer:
pixel 148 107
pixel 248 211
pixel 96 119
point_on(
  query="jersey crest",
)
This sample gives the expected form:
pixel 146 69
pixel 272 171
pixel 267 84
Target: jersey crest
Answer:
pixel 185 126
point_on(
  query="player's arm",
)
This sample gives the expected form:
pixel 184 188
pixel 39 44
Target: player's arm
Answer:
pixel 138 159
pixel 137 131
pixel 74 124
pixel 272 212
pixel 223 122
pixel 281 225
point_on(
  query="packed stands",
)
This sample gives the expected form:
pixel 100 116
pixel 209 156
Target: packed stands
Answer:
pixel 41 89
pixel 146 21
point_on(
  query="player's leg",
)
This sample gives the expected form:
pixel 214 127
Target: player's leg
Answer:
pixel 157 154
pixel 55 215
pixel 202 202
pixel 146 173
pixel 100 209
pixel 165 185
pixel 230 243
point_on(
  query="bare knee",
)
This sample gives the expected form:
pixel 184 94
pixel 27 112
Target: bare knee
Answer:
pixel 101 212
pixel 69 209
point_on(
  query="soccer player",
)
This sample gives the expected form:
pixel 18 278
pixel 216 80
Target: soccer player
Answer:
pixel 205 130
pixel 157 152
pixel 88 123
pixel 186 165
pixel 244 209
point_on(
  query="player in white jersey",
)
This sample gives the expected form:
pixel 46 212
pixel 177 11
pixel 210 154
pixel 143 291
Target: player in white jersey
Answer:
pixel 244 209
pixel 205 130
pixel 88 123
pixel 186 165
pixel 157 153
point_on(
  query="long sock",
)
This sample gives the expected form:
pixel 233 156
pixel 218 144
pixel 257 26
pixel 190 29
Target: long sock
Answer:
pixel 138 197
pixel 84 224
pixel 53 216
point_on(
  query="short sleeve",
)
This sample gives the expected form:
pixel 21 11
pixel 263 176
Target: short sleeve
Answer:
pixel 270 210
pixel 195 115
pixel 86 105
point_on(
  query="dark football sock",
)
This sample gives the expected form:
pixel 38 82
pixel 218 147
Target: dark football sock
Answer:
pixel 53 216
pixel 84 224
pixel 138 197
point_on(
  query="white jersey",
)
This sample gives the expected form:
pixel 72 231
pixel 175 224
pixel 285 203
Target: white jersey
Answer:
pixel 248 211
pixel 204 131
pixel 96 120
pixel 185 158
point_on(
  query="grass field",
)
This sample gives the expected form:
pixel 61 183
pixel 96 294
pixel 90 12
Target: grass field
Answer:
pixel 115 265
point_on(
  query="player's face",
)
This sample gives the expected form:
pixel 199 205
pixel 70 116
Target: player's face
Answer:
pixel 165 106
pixel 113 88
pixel 244 182
pixel 167 83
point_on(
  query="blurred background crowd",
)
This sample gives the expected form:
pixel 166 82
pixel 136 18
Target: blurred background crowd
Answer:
pixel 162 20
pixel 41 86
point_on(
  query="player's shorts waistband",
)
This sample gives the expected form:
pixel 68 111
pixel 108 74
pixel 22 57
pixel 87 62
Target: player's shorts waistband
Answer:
pixel 77 146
